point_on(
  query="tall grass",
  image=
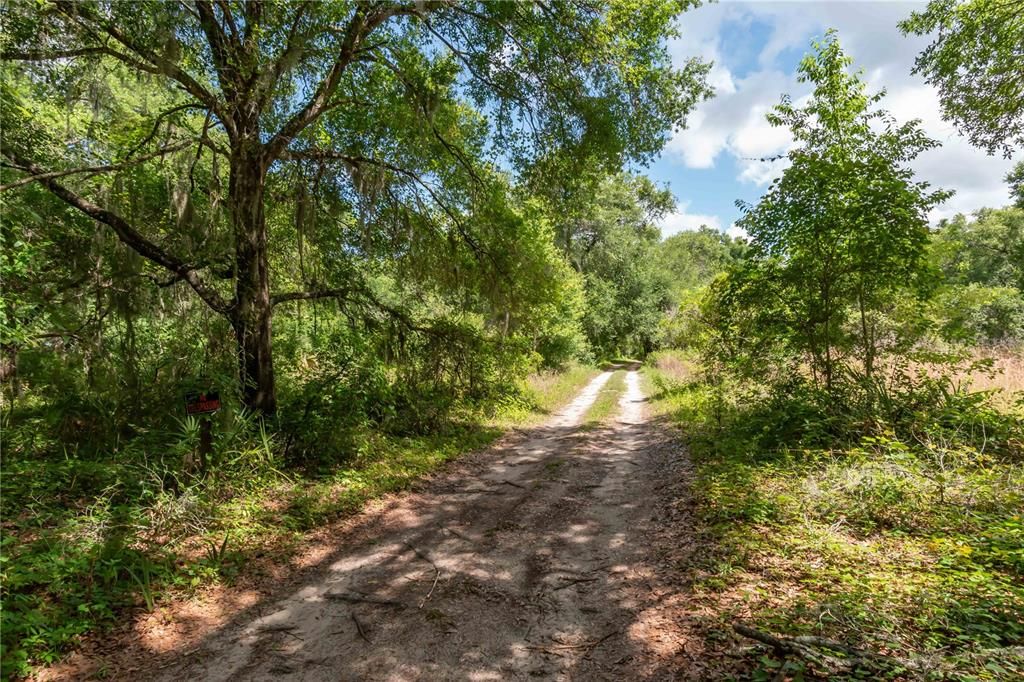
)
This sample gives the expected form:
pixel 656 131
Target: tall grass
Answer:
pixel 1008 370
pixel 911 544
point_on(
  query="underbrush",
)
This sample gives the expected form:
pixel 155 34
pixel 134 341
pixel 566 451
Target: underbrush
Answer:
pixel 540 395
pixel 893 523
pixel 91 535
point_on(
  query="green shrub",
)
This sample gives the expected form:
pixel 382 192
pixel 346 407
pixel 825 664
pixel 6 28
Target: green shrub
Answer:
pixel 975 313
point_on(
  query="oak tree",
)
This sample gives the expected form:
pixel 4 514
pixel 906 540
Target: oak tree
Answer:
pixel 414 112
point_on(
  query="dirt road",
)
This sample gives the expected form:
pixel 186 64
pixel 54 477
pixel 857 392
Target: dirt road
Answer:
pixel 543 557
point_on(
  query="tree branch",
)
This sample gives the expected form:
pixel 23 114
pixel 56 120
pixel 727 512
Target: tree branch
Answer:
pixel 359 27
pixel 222 55
pixel 157 63
pixel 226 272
pixel 309 295
pixel 450 148
pixel 355 161
pixel 43 56
pixel 229 19
pixel 129 236
pixel 106 168
pixel 253 17
pixel 160 117
pixel 269 77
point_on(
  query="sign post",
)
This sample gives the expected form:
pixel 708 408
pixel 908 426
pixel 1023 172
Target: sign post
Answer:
pixel 202 403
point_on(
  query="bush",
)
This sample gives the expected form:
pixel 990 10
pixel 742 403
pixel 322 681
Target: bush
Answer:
pixel 975 313
pixel 885 511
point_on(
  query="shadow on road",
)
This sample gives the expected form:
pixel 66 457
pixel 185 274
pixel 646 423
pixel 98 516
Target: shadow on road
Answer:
pixel 557 553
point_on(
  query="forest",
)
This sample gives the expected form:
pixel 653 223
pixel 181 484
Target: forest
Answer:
pixel 382 236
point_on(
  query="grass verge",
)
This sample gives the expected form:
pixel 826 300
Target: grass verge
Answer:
pixel 86 542
pixel 607 401
pixel 546 392
pixel 912 549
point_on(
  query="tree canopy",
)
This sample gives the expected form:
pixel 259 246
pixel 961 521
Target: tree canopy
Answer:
pixel 1015 181
pixel 355 129
pixel 977 64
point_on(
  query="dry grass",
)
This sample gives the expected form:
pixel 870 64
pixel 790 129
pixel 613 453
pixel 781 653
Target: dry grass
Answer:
pixel 674 365
pixel 1005 376
pixel 1008 375
pixel 888 545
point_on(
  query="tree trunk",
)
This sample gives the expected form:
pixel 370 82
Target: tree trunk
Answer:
pixel 251 316
pixel 868 341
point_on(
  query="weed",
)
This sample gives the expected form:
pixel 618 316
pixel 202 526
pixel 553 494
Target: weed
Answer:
pixel 87 536
pixel 903 536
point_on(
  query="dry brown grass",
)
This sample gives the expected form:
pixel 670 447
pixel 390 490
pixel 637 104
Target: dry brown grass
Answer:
pixel 1006 376
pixel 675 365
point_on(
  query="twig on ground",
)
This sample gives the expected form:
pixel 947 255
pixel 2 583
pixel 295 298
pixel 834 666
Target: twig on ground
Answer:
pixel 437 575
pixel 806 646
pixel 359 629
pixel 361 598
pixel 429 559
pixel 574 581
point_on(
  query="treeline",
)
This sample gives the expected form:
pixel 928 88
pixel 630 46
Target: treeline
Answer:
pixel 315 220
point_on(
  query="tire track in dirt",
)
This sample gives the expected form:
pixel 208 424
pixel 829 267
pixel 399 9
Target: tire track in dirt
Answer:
pixel 532 559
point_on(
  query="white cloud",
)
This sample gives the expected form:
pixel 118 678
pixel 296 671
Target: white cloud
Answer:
pixel 976 177
pixel 736 231
pixel 733 122
pixel 682 221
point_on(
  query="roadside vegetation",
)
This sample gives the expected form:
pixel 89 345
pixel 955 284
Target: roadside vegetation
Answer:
pixel 903 538
pixel 852 397
pixel 607 402
pixel 384 234
pixel 365 226
pixel 87 538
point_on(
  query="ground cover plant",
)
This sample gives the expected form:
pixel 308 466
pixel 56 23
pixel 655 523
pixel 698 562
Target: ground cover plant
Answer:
pixel 87 538
pixel 859 436
pixel 902 539
pixel 329 213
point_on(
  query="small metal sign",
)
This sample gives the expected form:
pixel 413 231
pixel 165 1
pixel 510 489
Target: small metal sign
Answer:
pixel 198 402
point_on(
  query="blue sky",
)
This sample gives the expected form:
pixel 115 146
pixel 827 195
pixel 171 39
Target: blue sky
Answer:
pixel 756 47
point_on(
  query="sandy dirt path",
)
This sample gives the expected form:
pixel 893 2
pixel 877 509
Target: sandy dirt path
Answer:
pixel 543 558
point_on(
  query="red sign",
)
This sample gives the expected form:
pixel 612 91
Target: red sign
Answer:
pixel 202 403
